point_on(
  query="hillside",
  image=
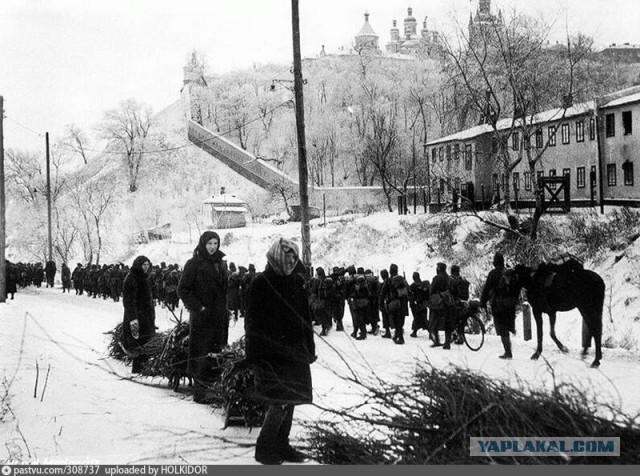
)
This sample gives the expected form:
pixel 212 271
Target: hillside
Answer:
pixel 417 243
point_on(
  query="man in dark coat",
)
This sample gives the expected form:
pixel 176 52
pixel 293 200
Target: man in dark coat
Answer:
pixel 418 299
pixel 139 322
pixel 77 278
pixel 203 290
pixel 50 272
pixel 11 276
pixel 396 299
pixel 247 281
pixel 503 310
pixel 384 286
pixel 279 338
pixel 440 318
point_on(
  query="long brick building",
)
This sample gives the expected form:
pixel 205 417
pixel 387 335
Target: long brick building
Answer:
pixel 596 144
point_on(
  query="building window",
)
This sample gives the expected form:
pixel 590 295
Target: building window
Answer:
pixel 580 177
pixel 456 184
pixel 594 177
pixel 467 157
pixel 495 182
pixel 515 141
pixel 611 175
pixel 627 171
pixel 565 133
pixel 552 173
pixel 579 131
pixel 539 138
pixel 527 181
pixel 448 152
pixel 552 135
pixel 441 153
pixel 567 173
pixel 442 184
pixel 627 123
pixel 456 151
pixel 539 175
pixel 516 180
pixel 610 125
pixel 592 129
pixel 434 154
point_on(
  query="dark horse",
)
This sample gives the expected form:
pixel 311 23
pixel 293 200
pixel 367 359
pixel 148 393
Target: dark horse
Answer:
pixel 553 288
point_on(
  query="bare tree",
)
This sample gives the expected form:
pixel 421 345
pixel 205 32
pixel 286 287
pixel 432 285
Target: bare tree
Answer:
pixel 93 200
pixel 127 129
pixel 76 140
pixel 507 72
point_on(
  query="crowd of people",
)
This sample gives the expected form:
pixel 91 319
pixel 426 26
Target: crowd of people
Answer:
pixel 281 306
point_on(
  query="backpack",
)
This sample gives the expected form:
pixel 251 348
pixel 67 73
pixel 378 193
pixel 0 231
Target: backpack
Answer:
pixel 361 293
pixel 399 286
pixel 326 288
pixel 508 290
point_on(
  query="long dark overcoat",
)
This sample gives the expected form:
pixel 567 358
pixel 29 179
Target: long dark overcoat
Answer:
pixel 138 304
pixel 204 284
pixel 279 337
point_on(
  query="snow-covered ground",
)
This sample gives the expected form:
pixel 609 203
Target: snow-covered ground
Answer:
pixel 65 401
pixel 88 408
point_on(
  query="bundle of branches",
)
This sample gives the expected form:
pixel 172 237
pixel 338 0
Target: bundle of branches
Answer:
pixel 167 354
pixel 115 347
pixel 431 419
pixel 234 391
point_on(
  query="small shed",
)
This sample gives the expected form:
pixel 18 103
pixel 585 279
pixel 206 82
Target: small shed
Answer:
pixel 224 211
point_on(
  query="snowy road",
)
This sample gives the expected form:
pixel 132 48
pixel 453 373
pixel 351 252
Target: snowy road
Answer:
pixel 87 408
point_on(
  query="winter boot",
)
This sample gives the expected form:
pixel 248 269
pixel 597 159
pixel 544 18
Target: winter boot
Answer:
pixel 339 326
pixel 506 343
pixel 387 334
pixel 447 340
pixel 414 333
pixel 436 340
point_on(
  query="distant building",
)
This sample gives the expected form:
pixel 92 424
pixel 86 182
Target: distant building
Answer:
pixel 224 211
pixel 410 43
pixel 624 53
pixel 484 23
pixel 366 40
pixel 467 161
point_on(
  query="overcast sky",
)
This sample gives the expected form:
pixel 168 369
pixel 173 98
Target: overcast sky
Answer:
pixel 67 61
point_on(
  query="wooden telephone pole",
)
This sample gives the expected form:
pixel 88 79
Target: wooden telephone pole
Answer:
pixel 50 256
pixel 302 145
pixel 3 232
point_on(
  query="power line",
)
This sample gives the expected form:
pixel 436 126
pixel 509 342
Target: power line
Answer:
pixel 24 127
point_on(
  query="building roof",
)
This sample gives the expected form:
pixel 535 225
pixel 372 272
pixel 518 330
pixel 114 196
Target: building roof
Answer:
pixel 543 117
pixel 366 29
pixel 226 199
pixel 623 100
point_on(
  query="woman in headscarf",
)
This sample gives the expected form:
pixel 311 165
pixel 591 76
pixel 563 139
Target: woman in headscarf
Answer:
pixel 203 290
pixel 139 323
pixel 279 338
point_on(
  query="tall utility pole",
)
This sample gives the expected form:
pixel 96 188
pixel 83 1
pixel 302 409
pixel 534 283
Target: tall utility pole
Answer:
pixel 50 257
pixel 302 145
pixel 3 234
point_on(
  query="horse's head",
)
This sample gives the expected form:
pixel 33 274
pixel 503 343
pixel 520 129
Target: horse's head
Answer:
pixel 525 275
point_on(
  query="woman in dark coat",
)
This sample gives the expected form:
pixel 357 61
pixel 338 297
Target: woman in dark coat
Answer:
pixel 203 290
pixel 139 311
pixel 279 338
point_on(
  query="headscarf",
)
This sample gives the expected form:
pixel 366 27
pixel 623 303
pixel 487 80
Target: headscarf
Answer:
pixel 277 252
pixel 138 262
pixel 201 250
